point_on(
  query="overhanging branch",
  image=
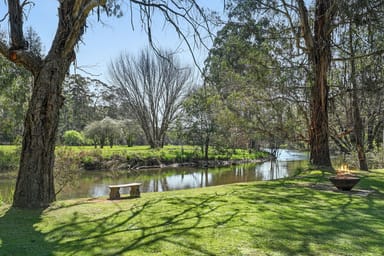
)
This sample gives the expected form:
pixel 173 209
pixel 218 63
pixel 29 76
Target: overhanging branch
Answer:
pixel 173 13
pixel 17 51
pixel 379 52
pixel 15 11
pixel 306 29
pixel 76 18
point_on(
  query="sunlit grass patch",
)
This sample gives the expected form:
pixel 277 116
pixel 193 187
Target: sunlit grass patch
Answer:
pixel 286 217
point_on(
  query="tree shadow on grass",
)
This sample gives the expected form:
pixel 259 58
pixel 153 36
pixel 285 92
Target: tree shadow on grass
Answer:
pixel 375 183
pixel 278 218
pixel 308 220
pixel 145 227
pixel 18 236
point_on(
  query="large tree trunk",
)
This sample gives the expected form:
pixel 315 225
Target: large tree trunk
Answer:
pixel 318 46
pixel 358 128
pixel 319 132
pixel 35 186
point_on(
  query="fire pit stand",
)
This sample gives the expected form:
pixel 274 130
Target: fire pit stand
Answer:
pixel 344 182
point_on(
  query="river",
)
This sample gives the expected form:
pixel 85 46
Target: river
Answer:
pixel 95 183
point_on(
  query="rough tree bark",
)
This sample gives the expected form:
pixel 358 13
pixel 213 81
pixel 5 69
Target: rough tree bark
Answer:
pixel 318 46
pixel 34 186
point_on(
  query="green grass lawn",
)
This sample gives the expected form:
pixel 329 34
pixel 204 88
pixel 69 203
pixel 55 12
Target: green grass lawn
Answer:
pixel 288 217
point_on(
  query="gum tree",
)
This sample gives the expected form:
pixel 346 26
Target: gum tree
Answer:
pixel 35 184
pixel 307 28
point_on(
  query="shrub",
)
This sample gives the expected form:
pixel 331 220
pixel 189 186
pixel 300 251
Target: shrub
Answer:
pixel 101 132
pixel 91 160
pixel 73 138
pixel 9 159
pixel 66 171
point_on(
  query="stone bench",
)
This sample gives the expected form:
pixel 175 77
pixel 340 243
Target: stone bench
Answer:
pixel 115 190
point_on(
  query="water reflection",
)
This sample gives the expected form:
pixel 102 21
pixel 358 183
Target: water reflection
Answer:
pixel 95 184
pixel 181 178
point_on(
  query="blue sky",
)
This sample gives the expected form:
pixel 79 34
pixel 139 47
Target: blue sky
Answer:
pixel 104 41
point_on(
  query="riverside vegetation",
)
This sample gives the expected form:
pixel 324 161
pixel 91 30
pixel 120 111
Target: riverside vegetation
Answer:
pixel 70 159
pixel 300 216
pixel 123 157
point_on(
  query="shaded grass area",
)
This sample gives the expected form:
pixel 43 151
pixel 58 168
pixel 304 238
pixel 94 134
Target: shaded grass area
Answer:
pixel 287 217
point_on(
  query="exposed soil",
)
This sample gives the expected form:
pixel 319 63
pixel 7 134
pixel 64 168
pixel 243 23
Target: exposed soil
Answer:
pixel 331 187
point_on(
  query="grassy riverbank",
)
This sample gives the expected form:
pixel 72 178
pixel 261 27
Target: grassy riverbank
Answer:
pixel 123 157
pixel 288 217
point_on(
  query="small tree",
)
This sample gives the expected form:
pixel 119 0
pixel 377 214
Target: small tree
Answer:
pixel 102 131
pixel 131 132
pixel 91 132
pixel 66 169
pixel 111 130
pixel 79 106
pixel 199 121
pixel 73 138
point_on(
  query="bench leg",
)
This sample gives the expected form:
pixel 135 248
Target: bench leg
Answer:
pixel 135 191
pixel 114 193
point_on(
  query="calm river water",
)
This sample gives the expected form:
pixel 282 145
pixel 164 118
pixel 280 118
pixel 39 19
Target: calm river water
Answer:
pixel 95 183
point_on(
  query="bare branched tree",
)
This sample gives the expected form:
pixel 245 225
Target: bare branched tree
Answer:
pixel 152 87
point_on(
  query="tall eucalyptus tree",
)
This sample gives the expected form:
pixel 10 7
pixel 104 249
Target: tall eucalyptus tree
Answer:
pixel 250 79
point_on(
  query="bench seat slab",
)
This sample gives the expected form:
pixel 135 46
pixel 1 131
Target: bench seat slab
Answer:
pixel 114 192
